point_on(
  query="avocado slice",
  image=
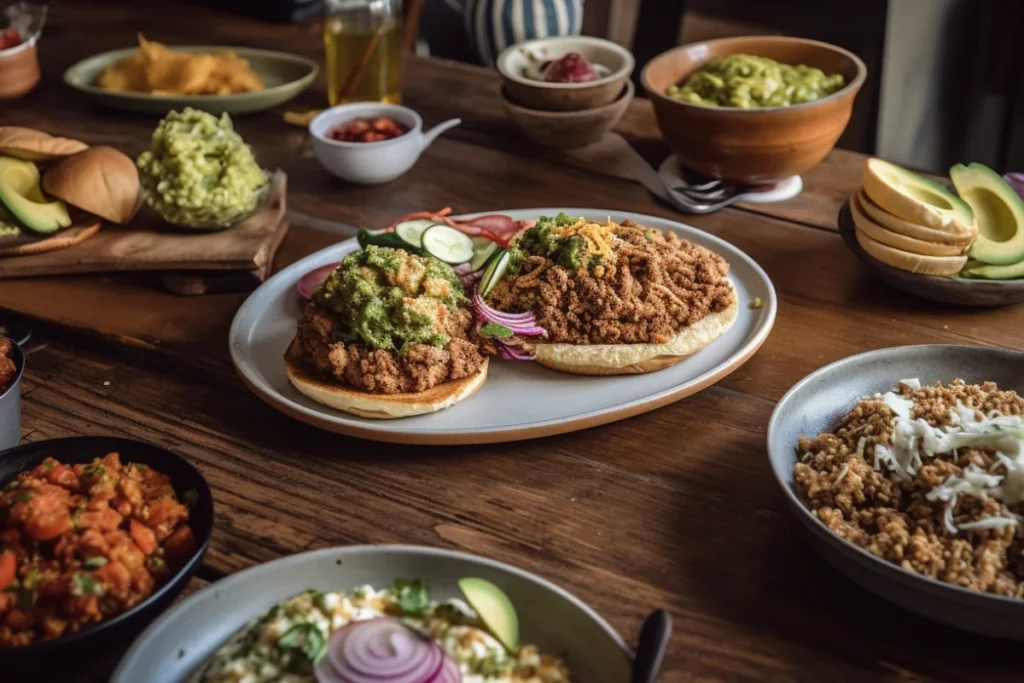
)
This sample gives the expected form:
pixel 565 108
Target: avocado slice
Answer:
pixel 917 199
pixel 998 213
pixel 21 194
pixel 982 271
pixel 494 609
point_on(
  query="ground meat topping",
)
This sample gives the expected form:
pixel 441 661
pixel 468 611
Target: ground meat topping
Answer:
pixel 655 286
pixel 954 515
pixel 416 368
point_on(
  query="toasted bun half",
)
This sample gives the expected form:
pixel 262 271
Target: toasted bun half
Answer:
pixel 634 359
pixel 912 230
pixel 897 240
pixel 99 180
pixel 379 406
pixel 35 145
pixel 904 260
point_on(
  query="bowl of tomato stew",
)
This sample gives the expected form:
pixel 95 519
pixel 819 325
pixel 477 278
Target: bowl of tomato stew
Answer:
pixel 12 365
pixel 97 536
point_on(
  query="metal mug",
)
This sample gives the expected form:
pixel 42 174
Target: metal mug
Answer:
pixel 10 402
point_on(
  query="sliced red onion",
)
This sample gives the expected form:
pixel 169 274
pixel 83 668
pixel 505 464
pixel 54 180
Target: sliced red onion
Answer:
pixel 1016 181
pixel 495 314
pixel 509 353
pixel 450 672
pixel 313 279
pixel 382 651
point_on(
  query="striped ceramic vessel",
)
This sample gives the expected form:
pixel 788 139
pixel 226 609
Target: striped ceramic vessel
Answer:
pixel 493 25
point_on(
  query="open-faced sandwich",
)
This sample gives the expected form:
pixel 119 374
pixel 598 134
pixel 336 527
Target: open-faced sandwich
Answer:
pixel 386 335
pixel 55 192
pixel 603 298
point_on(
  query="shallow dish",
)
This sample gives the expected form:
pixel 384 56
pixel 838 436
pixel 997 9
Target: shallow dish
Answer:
pixel 520 400
pixel 753 146
pixel 568 128
pixel 284 76
pixel 184 477
pixel 816 403
pixel 372 163
pixel 545 96
pixel 947 290
pixel 180 641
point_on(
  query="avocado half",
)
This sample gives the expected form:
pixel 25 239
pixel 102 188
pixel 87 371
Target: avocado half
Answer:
pixel 21 194
pixel 494 609
pixel 998 213
pixel 917 199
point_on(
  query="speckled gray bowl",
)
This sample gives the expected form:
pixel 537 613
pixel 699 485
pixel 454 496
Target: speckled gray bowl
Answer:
pixel 816 403
pixel 10 402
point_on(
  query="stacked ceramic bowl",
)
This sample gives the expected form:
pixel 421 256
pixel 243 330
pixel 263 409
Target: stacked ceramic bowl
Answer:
pixel 566 91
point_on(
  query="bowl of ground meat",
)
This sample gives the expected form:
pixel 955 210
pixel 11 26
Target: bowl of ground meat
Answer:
pixel 97 535
pixel 12 364
pixel 907 467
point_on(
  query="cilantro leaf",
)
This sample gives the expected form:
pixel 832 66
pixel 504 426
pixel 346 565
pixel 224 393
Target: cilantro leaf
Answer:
pixel 84 583
pixel 413 596
pixel 305 640
pixel 495 330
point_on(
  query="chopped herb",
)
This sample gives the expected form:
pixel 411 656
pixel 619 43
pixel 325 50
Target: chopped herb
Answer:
pixel 413 596
pixel 94 562
pixel 495 330
pixel 23 497
pixel 48 465
pixel 305 640
pixel 84 583
pixel 190 497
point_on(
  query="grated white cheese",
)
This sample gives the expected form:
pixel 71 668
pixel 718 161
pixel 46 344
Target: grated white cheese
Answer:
pixel 914 383
pixel 842 473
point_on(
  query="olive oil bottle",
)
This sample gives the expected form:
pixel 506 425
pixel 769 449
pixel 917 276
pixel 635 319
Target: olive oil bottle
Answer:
pixel 362 41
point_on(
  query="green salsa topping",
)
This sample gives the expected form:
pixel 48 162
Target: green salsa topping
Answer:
pixel 199 172
pixel 543 240
pixel 391 299
pixel 750 82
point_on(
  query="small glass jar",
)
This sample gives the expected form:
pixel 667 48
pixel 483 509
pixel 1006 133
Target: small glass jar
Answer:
pixel 362 44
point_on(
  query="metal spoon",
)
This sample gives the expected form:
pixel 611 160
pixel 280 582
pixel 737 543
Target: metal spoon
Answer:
pixel 650 651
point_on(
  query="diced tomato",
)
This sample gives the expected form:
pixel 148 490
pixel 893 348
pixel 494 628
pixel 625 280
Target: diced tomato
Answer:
pixel 143 537
pixel 8 568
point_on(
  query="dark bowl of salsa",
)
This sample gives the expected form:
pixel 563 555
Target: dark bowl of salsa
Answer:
pixel 189 488
pixel 12 365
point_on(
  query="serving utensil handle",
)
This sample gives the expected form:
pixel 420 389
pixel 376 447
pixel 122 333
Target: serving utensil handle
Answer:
pixel 650 651
pixel 430 135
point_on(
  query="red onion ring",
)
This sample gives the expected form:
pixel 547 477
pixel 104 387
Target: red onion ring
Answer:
pixel 313 279
pixel 497 316
pixel 383 651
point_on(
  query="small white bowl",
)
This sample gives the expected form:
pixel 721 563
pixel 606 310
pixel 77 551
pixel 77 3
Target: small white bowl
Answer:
pixel 372 163
pixel 541 95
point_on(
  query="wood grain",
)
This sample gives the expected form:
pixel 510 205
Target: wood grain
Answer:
pixel 675 508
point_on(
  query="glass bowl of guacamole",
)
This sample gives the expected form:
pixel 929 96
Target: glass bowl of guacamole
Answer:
pixel 199 173
pixel 746 81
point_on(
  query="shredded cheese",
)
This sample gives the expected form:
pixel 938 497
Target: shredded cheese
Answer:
pixel 600 239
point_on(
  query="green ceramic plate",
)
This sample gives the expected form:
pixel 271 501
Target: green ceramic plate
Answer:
pixel 284 76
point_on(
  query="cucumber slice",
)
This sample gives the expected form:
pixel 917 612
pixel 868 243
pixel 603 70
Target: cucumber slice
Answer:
pixel 482 250
pixel 412 231
pixel 495 269
pixel 448 244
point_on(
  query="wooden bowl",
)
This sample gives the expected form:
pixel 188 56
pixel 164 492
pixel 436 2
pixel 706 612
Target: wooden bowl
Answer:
pixel 568 128
pixel 947 290
pixel 753 145
pixel 544 96
pixel 19 70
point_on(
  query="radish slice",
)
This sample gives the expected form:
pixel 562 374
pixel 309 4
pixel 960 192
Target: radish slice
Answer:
pixel 313 279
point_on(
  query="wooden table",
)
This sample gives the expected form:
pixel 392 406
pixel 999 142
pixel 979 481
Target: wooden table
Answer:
pixel 676 508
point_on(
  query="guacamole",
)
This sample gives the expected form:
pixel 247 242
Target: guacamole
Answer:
pixel 750 82
pixel 390 299
pixel 198 171
pixel 543 239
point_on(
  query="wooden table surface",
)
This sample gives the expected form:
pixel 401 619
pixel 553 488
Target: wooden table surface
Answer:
pixel 676 508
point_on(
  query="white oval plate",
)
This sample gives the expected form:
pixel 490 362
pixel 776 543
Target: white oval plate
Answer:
pixel 178 643
pixel 520 400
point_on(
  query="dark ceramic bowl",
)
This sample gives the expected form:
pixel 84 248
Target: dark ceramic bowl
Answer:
pixel 10 401
pixel 82 449
pixel 947 290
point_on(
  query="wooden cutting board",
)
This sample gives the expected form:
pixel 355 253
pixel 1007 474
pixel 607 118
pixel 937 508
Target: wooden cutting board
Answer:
pixel 190 262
